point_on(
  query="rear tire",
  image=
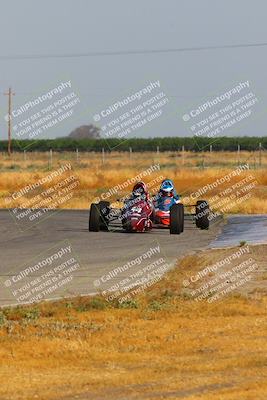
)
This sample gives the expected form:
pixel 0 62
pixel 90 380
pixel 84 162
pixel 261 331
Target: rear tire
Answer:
pixel 177 219
pixel 202 214
pixel 94 218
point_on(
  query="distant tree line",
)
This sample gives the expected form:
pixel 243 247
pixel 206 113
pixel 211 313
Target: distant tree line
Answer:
pixel 139 144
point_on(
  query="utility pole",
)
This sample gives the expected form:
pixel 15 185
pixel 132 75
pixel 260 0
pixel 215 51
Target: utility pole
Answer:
pixel 9 94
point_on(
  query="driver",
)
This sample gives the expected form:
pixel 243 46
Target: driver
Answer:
pixel 137 203
pixel 139 192
pixel 166 196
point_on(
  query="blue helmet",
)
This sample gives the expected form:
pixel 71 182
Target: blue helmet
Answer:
pixel 167 187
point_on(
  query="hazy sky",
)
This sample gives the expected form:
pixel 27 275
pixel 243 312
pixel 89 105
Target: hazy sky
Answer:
pixel 58 27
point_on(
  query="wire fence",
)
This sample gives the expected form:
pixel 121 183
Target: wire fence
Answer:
pixel 170 159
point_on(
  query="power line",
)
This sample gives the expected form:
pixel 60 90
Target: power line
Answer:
pixel 130 52
pixel 110 94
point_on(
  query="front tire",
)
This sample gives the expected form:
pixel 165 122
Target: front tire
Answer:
pixel 177 219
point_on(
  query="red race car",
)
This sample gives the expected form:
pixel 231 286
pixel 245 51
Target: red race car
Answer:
pixel 135 215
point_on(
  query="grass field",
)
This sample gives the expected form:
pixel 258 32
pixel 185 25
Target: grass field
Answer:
pixel 160 345
pixel 97 174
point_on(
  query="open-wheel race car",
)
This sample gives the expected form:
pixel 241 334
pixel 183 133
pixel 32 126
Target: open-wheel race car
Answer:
pixel 139 217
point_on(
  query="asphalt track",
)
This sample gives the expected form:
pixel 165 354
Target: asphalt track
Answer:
pixel 98 254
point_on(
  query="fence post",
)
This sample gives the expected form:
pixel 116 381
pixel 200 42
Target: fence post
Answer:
pixel 260 154
pixel 103 156
pixel 50 158
pixel 202 166
pixel 238 154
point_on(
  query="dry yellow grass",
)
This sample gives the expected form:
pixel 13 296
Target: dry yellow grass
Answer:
pixel 167 347
pixel 96 177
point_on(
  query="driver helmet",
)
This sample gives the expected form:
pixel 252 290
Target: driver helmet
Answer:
pixel 167 188
pixel 140 189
